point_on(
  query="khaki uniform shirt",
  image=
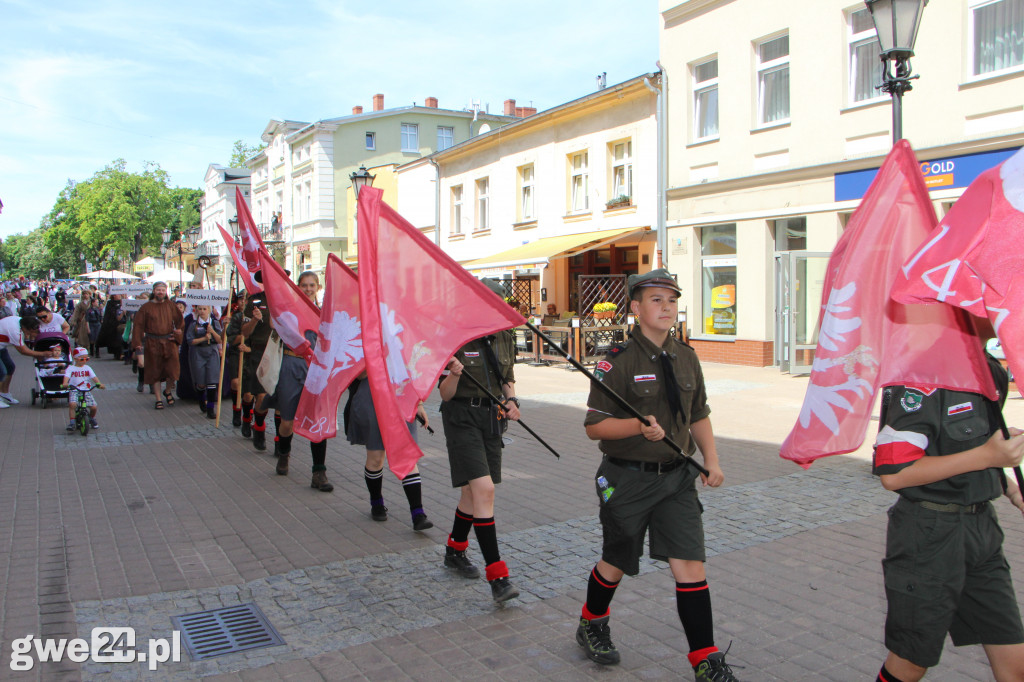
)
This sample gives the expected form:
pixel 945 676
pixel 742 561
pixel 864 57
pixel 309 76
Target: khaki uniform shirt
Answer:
pixel 474 359
pixel 633 369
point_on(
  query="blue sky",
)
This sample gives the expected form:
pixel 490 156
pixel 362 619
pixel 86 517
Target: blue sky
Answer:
pixel 82 84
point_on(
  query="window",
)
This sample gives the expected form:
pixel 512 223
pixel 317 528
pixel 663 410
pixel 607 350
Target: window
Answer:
pixel 457 209
pixel 773 80
pixel 445 137
pixel 526 193
pixel 371 140
pixel 482 190
pixel 309 200
pixel 718 279
pixel 998 35
pixel 622 169
pixel 410 137
pixel 865 65
pixel 705 99
pixel 579 185
pixel 791 234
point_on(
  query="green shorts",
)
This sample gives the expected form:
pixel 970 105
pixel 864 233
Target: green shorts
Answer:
pixel 473 452
pixel 664 504
pixel 250 384
pixel 945 572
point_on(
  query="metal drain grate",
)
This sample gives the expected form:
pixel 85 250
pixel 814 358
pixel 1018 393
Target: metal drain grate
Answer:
pixel 224 631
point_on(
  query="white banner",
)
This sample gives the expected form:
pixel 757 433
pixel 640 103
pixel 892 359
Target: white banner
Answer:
pixel 211 297
pixel 132 304
pixel 130 289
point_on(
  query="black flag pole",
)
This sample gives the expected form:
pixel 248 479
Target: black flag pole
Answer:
pixel 502 403
pixel 619 400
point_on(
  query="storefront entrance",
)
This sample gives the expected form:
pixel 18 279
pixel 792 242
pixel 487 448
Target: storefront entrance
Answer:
pixel 799 279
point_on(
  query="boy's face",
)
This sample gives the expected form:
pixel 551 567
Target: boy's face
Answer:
pixel 81 360
pixel 657 309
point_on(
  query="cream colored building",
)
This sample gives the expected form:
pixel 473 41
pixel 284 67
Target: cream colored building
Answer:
pixel 218 208
pixel 773 129
pixel 568 191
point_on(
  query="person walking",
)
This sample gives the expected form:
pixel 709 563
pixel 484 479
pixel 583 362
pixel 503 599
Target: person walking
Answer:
pixel 156 331
pixel 203 338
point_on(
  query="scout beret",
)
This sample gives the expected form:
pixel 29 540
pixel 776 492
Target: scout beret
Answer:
pixel 655 278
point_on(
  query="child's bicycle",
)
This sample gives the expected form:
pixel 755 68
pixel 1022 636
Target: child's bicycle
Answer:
pixel 82 412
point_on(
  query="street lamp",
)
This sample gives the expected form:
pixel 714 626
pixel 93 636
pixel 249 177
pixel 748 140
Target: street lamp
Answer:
pixel 187 241
pixel 361 178
pixel 896 23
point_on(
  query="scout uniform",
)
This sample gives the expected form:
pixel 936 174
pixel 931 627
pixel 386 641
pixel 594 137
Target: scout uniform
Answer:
pixel 257 341
pixel 944 566
pixel 231 368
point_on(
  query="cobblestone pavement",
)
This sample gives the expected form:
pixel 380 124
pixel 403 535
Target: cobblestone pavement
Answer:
pixel 160 514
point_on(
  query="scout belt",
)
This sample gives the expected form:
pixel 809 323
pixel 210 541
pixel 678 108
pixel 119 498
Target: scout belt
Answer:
pixel 474 402
pixel 647 467
pixel 953 507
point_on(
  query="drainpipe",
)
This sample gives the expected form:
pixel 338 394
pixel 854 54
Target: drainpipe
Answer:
pixel 662 164
pixel 437 202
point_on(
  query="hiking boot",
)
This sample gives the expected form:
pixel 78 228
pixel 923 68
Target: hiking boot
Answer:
pixel 378 512
pixel 458 562
pixel 236 419
pixel 259 439
pixel 714 669
pixel 320 482
pixel 502 590
pixel 246 429
pixel 596 639
pixel 421 522
pixel 282 465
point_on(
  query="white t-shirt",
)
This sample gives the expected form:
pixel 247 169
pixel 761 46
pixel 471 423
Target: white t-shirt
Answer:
pixel 54 325
pixel 80 377
pixel 10 332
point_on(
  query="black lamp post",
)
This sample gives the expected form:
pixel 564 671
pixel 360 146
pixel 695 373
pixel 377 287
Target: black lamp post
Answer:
pixel 361 178
pixel 187 240
pixel 896 23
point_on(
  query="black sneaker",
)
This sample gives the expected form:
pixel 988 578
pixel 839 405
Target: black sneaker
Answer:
pixel 596 639
pixel 236 419
pixel 246 429
pixel 502 590
pixel 259 439
pixel 421 522
pixel 378 512
pixel 70 426
pixel 714 669
pixel 94 424
pixel 458 562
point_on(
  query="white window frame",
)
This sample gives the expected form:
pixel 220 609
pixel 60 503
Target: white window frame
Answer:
pixel 527 181
pixel 456 194
pixel 483 204
pixel 769 67
pixel 625 187
pixel 701 88
pixel 308 190
pixel 445 134
pixel 855 40
pixel 410 134
pixel 972 9
pixel 371 140
pixel 579 182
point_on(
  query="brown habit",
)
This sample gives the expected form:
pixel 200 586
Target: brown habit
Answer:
pixel 154 320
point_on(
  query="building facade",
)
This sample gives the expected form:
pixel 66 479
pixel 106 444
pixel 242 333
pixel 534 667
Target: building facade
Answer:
pixel 774 129
pixel 218 208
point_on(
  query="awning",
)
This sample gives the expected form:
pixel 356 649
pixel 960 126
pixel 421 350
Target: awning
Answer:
pixel 543 251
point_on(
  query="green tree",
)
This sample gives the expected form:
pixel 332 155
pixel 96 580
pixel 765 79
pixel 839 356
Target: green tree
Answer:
pixel 61 233
pixel 185 212
pixel 240 151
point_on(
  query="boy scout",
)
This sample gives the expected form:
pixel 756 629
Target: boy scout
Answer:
pixel 642 484
pixel 256 328
pixel 473 435
pixel 944 566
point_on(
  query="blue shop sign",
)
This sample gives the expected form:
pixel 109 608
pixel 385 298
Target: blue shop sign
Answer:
pixel 953 171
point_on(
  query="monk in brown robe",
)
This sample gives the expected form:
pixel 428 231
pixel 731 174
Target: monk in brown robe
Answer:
pixel 157 330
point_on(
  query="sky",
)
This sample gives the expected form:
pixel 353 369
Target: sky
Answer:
pixel 83 84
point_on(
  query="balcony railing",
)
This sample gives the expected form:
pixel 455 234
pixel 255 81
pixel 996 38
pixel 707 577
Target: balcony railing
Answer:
pixel 271 232
pixel 210 249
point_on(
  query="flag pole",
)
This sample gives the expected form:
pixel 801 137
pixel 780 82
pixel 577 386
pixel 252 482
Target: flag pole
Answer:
pixel 502 403
pixel 1006 436
pixel 224 348
pixel 619 400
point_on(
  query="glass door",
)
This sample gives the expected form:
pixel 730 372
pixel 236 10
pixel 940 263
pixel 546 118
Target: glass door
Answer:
pixel 799 281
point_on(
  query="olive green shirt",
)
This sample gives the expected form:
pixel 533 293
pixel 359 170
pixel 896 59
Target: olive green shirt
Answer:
pixel 474 360
pixel 633 369
pixel 261 333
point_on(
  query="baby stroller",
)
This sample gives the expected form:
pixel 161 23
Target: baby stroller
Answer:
pixel 50 371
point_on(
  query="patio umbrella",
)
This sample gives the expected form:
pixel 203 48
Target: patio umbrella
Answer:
pixel 117 274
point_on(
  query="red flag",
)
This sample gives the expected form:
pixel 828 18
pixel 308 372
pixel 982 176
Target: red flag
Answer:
pixel 418 307
pixel 866 340
pixel 338 358
pixel 975 258
pixel 251 285
pixel 291 313
pixel 251 240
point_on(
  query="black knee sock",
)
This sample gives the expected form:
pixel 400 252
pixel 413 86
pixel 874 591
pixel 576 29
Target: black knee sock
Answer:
pixel 235 407
pixel 413 488
pixel 693 602
pixel 277 422
pixel 600 591
pixel 319 451
pixel 459 537
pixel 284 445
pixel 487 536
pixel 142 375
pixel 247 410
pixel 374 485
pixel 260 421
pixel 211 396
pixel 885 676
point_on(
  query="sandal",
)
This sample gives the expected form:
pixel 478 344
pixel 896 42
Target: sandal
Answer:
pixel 159 405
pixel 169 397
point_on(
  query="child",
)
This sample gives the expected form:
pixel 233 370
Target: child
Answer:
pixel 94 318
pixel 81 376
pixel 203 339
pixel 642 484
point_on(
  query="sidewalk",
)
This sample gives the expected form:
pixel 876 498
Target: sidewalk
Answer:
pixel 160 514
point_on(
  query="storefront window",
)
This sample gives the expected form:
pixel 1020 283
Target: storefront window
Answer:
pixel 718 279
pixel 791 234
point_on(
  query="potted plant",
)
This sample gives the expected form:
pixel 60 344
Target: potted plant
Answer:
pixel 604 310
pixel 618 202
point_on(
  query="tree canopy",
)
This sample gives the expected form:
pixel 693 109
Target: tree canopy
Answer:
pixel 240 151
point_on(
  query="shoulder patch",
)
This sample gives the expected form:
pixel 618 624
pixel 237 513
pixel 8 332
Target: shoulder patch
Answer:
pixel 911 400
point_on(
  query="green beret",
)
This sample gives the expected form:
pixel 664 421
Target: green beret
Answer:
pixel 655 278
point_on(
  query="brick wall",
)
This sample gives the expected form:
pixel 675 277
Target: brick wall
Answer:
pixel 739 352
